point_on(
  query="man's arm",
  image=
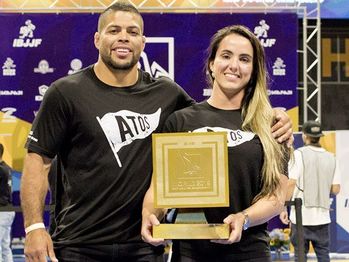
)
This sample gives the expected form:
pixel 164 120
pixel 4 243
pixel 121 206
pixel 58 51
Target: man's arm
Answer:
pixel 335 189
pixel 34 186
pixel 282 128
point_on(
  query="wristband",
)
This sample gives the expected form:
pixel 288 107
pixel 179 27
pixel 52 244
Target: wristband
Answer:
pixel 34 227
pixel 247 221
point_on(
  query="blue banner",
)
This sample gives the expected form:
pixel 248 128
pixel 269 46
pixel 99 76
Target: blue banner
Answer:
pixel 37 49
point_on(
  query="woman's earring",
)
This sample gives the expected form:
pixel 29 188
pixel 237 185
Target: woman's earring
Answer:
pixel 213 76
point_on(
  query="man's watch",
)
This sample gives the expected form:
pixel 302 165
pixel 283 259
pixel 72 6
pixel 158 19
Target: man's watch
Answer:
pixel 247 221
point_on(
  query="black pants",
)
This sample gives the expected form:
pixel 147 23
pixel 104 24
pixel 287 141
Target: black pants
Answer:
pixel 181 258
pixel 131 252
pixel 319 236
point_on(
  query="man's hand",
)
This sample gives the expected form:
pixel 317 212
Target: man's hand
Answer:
pixel 284 217
pixel 38 246
pixel 148 223
pixel 282 128
pixel 236 222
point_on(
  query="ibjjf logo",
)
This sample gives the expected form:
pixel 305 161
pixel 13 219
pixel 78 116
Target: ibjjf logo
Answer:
pixel 8 116
pixel 42 90
pixel 75 66
pixel 261 31
pixel 9 67
pixel 26 36
pixel 43 67
pixel 156 48
pixel 279 68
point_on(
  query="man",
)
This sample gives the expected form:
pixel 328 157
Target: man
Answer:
pixel 313 176
pixel 99 123
pixel 6 218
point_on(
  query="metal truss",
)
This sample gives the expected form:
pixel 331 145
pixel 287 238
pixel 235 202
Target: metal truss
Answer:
pixel 309 89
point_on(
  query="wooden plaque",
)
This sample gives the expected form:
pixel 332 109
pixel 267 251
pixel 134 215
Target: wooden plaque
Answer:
pixel 190 170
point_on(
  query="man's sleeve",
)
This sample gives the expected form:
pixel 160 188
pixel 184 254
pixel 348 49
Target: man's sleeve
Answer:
pixel 295 167
pixel 50 125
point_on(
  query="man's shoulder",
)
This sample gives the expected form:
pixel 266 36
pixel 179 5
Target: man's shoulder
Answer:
pixel 4 167
pixel 74 79
pixel 71 84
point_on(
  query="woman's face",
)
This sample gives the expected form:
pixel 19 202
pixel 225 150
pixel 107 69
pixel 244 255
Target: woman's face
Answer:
pixel 233 65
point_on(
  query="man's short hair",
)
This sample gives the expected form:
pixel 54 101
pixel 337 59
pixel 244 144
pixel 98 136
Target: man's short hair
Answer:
pixel 118 6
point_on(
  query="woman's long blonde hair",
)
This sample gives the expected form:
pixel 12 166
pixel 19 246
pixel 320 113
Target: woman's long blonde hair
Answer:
pixel 257 113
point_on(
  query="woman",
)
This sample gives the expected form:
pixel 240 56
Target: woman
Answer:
pixel 257 163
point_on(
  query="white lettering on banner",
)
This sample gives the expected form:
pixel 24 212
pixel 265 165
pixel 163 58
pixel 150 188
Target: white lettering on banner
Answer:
pixel 234 137
pixel 280 92
pixel 8 116
pixel 11 92
pixel 26 36
pixel 26 42
pixel 123 127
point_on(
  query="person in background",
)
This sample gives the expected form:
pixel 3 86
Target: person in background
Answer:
pixel 99 122
pixel 257 164
pixel 6 218
pixel 313 176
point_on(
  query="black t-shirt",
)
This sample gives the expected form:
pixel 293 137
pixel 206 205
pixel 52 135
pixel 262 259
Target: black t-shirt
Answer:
pixel 5 184
pixel 102 136
pixel 245 154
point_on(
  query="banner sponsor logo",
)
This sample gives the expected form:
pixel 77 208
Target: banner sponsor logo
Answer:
pixel 42 90
pixel 207 92
pixel 11 92
pixel 43 67
pixel 8 116
pixel 26 36
pixel 279 67
pixel 154 67
pixel 75 66
pixel 9 67
pixel 280 92
pixel 261 31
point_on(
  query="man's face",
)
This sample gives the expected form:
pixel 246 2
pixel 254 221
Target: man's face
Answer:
pixel 120 42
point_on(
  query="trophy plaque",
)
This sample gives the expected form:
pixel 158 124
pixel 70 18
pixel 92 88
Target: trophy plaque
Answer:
pixel 190 172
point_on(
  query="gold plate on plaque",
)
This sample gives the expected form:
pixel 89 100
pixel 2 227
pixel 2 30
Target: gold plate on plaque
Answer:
pixel 190 170
pixel 191 231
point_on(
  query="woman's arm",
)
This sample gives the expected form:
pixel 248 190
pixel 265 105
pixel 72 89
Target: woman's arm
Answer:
pixel 258 213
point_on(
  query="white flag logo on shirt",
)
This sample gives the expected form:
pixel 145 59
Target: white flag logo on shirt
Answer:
pixel 123 127
pixel 234 137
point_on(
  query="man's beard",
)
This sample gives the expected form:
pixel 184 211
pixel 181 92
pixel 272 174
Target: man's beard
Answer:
pixel 119 66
